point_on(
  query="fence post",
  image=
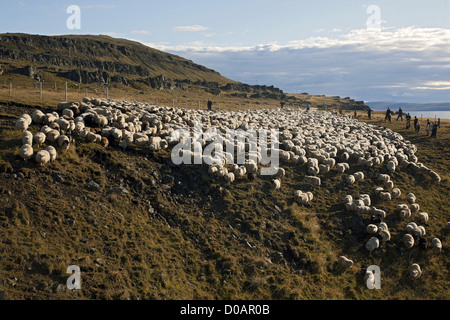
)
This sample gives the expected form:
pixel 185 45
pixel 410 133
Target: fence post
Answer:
pixel 66 91
pixel 40 90
pixel 173 103
pixel 10 89
pixel 86 93
pixel 55 87
pixel 107 93
pixel 198 104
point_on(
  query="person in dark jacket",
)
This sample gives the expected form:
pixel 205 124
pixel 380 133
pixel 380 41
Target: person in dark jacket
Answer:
pixel 434 130
pixel 400 114
pixel 408 121
pixel 416 121
pixel 210 105
pixel 388 115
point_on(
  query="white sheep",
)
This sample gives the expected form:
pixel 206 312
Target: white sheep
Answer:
pixel 52 152
pixel 341 167
pixel 229 177
pixel 419 232
pixel 63 142
pixel 345 262
pixel 26 152
pixel 377 212
pixel 314 181
pixel 280 173
pixel 276 184
pixel 415 272
pixel 38 117
pixel 405 214
pixel 378 190
pixel 410 227
pixel 385 196
pixel 436 244
pixel 396 192
pixel 359 176
pixel 372 229
pixel 39 138
pixel 415 207
pixel 27 138
pixel 385 235
pixel 303 198
pixel 391 166
pixel 423 217
pixel 408 240
pixel 366 199
pixel 390 184
pixel 351 179
pixel 348 199
pixel 372 244
pixel 251 167
pixel 22 124
pixel 53 135
pixel 411 198
pixel 42 157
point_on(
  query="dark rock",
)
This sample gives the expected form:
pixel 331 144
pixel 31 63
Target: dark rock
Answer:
pixel 120 190
pixel 168 179
pixel 57 177
pixel 92 186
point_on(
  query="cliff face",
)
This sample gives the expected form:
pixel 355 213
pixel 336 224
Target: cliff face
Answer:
pixel 100 59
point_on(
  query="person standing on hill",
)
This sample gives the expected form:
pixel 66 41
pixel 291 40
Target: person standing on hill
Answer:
pixel 369 114
pixel 388 115
pixel 415 123
pixel 408 121
pixel 434 130
pixel 356 114
pixel 400 114
pixel 282 105
pixel 418 126
pixel 428 127
pixel 210 105
pixel 439 123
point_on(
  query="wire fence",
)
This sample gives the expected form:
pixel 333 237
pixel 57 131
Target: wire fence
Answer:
pixel 57 92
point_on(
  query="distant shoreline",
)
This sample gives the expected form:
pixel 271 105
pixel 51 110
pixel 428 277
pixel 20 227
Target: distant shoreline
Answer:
pixel 425 114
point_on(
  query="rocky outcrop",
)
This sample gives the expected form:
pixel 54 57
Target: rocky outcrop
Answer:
pixel 29 71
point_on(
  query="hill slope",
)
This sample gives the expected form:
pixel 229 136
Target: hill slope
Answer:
pixel 140 227
pixel 117 57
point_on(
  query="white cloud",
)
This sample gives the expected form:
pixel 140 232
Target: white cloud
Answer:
pixel 193 28
pixel 365 64
pixel 409 38
pixel 434 85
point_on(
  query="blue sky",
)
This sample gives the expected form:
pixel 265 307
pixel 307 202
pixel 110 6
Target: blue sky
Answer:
pixel 319 47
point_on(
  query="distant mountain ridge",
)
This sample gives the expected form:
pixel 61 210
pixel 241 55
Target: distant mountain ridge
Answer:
pixel 443 106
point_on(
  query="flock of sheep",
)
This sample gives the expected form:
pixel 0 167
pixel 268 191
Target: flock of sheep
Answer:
pixel 319 141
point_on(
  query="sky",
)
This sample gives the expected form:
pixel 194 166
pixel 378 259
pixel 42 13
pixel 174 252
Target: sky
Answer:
pixel 374 50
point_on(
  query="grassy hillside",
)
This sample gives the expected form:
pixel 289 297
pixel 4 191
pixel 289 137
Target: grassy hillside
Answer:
pixel 117 56
pixel 141 228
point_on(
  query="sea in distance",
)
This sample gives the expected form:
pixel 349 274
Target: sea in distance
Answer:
pixel 443 114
